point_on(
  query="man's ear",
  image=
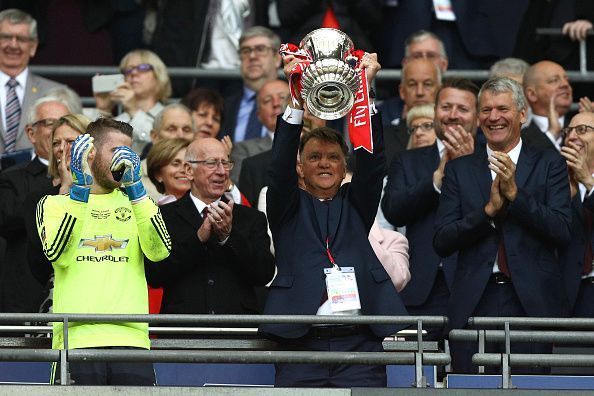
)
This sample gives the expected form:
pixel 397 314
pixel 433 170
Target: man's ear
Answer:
pixel 530 94
pixel 299 170
pixel 154 136
pixel 30 133
pixel 188 171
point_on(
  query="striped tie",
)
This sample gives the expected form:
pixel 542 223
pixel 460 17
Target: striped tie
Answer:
pixel 13 115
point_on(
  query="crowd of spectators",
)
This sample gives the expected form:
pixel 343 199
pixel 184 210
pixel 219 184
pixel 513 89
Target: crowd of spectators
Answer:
pixel 486 191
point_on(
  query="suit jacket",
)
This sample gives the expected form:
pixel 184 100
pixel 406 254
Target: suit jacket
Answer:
pixel 357 18
pixel 208 278
pixel 533 136
pixel 231 111
pixel 410 200
pixel 301 225
pixel 572 256
pixel 20 292
pixel 533 227
pixel 35 88
pixel 254 175
pixel 396 140
pixel 245 149
pixel 477 25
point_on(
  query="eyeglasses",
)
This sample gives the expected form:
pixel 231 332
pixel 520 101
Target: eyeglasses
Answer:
pixel 46 122
pixel 6 38
pixel 579 129
pixel 143 67
pixel 213 164
pixel 425 127
pixel 259 50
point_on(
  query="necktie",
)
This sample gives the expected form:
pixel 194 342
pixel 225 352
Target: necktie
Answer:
pixel 501 255
pixel 13 115
pixel 204 213
pixel 253 129
pixel 588 253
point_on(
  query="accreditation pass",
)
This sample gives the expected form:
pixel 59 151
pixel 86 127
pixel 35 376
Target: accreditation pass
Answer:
pixel 341 285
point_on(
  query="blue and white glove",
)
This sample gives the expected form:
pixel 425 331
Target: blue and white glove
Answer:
pixel 127 163
pixel 79 166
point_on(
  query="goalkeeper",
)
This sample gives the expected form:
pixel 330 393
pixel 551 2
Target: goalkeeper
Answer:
pixel 96 238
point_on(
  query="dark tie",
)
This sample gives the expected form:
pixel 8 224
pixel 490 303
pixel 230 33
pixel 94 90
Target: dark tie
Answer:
pixel 253 129
pixel 501 255
pixel 204 213
pixel 588 253
pixel 13 115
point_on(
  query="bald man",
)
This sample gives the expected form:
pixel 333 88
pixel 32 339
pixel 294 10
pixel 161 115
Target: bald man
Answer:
pixel 217 246
pixel 549 95
pixel 421 78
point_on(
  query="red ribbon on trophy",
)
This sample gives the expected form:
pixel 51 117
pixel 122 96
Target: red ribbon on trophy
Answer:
pixel 360 132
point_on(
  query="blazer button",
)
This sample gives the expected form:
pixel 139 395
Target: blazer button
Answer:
pixel 210 282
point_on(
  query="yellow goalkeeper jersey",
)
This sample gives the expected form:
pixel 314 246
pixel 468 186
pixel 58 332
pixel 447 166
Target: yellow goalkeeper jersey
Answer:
pixel 97 250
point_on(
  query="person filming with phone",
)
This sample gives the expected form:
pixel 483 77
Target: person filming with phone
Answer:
pixel 141 90
pixel 221 251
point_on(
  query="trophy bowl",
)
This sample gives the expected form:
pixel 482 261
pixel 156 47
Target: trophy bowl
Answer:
pixel 329 83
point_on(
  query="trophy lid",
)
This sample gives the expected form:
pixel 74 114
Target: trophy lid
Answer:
pixel 326 43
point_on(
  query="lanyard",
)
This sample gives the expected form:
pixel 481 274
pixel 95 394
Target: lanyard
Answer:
pixel 330 257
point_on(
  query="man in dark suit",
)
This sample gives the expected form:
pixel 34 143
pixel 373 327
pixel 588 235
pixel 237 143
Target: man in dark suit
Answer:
pixel 220 250
pixel 19 291
pixel 317 229
pixel 254 175
pixel 549 95
pixel 576 258
pixel 420 81
pixel 506 210
pixel 411 196
pixel 17 47
pixel 258 52
pixel 271 102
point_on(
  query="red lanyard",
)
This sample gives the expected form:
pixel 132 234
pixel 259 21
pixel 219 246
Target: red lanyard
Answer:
pixel 329 254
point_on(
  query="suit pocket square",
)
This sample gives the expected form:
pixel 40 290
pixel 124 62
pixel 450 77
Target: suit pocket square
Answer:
pixel 282 281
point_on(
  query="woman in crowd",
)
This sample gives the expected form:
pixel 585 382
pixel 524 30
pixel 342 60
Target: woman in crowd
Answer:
pixel 207 111
pixel 419 121
pixel 65 131
pixel 165 166
pixel 146 88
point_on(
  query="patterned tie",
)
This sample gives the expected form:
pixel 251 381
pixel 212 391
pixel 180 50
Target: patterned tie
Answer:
pixel 253 129
pixel 13 115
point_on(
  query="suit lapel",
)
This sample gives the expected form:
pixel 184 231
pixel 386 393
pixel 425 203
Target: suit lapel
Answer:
pixel 577 208
pixel 524 166
pixel 482 172
pixel 187 211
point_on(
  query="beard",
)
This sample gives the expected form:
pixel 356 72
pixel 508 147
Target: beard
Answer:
pixel 102 175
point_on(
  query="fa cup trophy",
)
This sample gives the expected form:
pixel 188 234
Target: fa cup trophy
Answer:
pixel 330 81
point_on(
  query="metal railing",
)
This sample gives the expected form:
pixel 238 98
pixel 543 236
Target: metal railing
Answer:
pixel 583 48
pixel 540 331
pixel 417 357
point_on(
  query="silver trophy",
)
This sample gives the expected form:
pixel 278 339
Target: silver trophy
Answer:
pixel 329 83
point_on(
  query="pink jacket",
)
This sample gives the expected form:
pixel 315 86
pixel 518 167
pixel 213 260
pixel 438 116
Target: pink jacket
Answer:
pixel 391 248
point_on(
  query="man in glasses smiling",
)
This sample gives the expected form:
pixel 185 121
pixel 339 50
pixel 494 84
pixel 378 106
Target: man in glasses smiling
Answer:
pixel 576 258
pixel 18 87
pixel 218 247
pixel 258 52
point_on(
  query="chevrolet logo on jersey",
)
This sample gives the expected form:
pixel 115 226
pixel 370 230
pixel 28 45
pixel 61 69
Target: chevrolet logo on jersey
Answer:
pixel 103 243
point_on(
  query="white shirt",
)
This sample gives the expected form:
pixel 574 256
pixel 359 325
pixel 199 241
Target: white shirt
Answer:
pixel 514 154
pixel 20 91
pixel 543 124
